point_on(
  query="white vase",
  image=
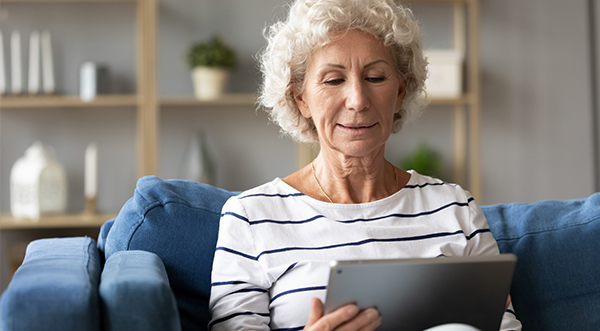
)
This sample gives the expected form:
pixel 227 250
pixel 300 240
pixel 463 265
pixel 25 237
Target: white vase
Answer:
pixel 209 82
pixel 197 165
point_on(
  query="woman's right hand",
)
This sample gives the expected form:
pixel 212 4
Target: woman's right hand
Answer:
pixel 346 318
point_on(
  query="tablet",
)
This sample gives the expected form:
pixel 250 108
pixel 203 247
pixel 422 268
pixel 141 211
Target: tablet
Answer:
pixel 417 294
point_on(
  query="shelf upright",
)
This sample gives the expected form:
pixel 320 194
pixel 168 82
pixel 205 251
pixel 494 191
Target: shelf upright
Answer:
pixel 148 111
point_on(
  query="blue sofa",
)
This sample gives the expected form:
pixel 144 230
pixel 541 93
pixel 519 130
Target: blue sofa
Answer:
pixel 150 269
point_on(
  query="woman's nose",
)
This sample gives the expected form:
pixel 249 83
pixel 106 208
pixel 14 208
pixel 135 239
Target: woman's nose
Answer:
pixel 357 98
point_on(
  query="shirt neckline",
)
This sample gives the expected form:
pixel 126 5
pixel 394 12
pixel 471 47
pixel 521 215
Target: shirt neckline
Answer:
pixel 401 192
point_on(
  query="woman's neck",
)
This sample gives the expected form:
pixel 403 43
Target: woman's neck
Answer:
pixel 346 179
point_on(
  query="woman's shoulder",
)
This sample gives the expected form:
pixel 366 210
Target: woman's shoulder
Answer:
pixel 274 188
pixel 432 185
pixel 263 198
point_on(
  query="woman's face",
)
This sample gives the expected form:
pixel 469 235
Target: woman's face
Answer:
pixel 352 91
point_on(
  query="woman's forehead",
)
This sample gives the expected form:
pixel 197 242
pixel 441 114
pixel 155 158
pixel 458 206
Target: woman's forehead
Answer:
pixel 352 46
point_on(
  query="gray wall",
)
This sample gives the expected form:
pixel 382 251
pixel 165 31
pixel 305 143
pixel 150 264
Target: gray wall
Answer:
pixel 536 122
pixel 537 128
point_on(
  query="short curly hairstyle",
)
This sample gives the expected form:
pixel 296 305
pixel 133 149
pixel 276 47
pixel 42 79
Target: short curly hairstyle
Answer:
pixel 310 25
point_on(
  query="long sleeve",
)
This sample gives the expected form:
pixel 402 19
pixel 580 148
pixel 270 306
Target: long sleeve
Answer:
pixel 483 243
pixel 239 294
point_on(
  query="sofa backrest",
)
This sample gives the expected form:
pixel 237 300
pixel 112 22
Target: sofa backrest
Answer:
pixel 556 285
pixel 178 221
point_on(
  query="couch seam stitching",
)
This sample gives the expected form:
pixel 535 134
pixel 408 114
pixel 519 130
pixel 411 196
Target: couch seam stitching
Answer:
pixel 550 229
pixel 158 204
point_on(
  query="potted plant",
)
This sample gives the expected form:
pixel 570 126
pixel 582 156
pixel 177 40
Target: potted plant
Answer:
pixel 211 62
pixel 425 161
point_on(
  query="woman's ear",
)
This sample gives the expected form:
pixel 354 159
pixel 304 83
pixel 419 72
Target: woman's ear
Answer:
pixel 302 105
pixel 400 97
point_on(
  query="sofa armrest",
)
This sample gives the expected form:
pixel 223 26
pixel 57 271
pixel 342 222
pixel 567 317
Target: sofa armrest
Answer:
pixel 56 287
pixel 135 293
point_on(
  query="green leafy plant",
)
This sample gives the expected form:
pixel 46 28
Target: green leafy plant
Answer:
pixel 212 53
pixel 424 161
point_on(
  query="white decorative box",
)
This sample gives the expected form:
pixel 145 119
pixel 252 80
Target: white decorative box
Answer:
pixel 38 185
pixel 445 77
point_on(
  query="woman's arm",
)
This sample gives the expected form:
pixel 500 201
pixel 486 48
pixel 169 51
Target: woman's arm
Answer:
pixel 483 243
pixel 239 289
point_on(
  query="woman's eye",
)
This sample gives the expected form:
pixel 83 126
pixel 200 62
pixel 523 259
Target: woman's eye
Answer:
pixel 375 79
pixel 334 82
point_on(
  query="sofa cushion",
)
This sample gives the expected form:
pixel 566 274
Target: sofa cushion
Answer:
pixel 178 221
pixel 56 288
pixel 555 285
pixel 136 295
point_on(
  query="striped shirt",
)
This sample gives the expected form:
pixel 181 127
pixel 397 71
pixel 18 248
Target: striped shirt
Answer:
pixel 275 246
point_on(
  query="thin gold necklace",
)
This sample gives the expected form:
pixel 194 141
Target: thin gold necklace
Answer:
pixel 327 196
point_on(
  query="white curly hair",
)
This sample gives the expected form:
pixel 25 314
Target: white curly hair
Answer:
pixel 310 25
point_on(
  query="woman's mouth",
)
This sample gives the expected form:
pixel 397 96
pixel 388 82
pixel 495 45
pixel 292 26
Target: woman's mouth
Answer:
pixel 356 128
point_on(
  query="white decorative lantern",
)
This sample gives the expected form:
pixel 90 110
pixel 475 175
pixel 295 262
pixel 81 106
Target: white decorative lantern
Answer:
pixel 38 185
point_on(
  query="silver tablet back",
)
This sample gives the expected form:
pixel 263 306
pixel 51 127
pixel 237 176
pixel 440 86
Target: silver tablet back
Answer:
pixel 416 294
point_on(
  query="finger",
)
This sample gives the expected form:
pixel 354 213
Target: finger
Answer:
pixel 336 318
pixel 364 320
pixel 374 325
pixel 316 312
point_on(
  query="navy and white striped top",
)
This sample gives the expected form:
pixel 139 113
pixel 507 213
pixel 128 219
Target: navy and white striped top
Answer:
pixel 275 245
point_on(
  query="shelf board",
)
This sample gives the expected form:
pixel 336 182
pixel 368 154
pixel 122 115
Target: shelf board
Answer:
pixel 458 101
pixel 59 221
pixel 56 101
pixel 242 99
pixel 68 1
pixel 250 99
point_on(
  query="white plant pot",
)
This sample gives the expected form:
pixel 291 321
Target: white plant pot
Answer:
pixel 209 83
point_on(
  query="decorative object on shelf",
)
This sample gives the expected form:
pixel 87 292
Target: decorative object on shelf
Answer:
pixel 210 63
pixel 47 64
pixel 34 64
pixel 425 161
pixel 38 185
pixel 2 67
pixel 93 80
pixel 445 73
pixel 15 64
pixel 197 165
pixel 91 178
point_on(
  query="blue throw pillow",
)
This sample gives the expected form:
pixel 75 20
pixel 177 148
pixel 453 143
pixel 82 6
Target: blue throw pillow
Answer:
pixel 556 283
pixel 178 221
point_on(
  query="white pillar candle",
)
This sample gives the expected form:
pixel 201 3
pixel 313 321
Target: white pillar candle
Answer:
pixel 34 63
pixel 91 171
pixel 2 72
pixel 47 63
pixel 15 63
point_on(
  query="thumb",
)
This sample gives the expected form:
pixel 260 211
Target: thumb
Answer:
pixel 316 312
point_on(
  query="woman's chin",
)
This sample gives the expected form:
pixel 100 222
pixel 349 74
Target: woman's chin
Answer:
pixel 359 149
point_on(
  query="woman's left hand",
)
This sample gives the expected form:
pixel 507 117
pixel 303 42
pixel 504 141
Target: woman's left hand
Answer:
pixel 346 318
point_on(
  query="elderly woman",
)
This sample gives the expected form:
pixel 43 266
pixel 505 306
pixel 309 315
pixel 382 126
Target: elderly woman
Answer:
pixel 345 74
